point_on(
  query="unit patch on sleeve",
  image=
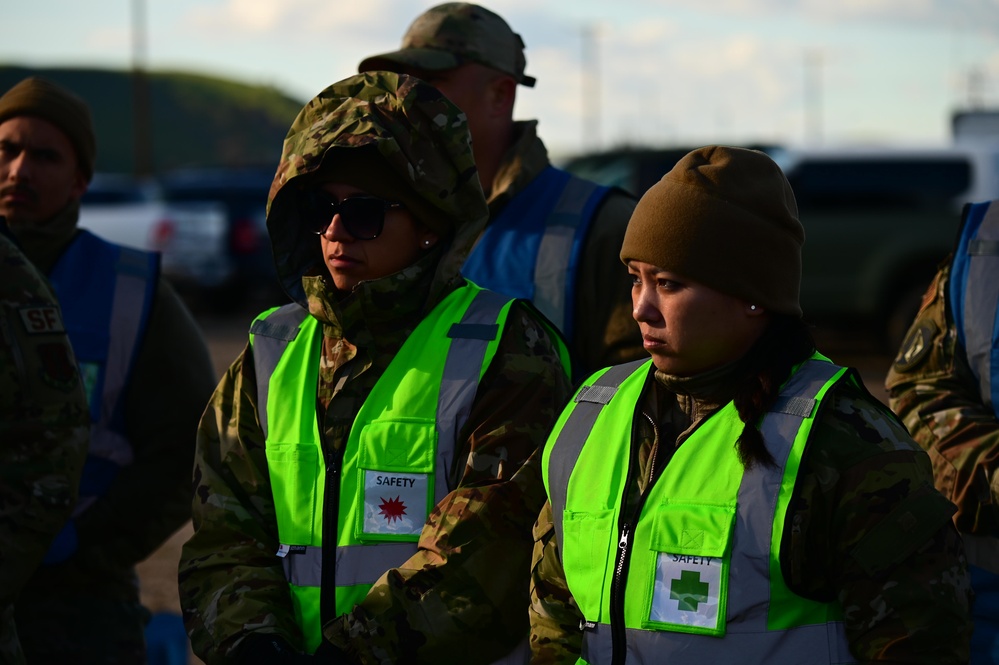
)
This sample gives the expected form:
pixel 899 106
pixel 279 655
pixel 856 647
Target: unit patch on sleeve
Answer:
pixel 42 320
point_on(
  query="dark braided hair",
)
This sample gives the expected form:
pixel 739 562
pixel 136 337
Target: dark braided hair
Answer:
pixel 786 342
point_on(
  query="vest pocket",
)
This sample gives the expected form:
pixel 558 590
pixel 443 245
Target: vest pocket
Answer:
pixel 588 537
pixel 689 586
pixel 395 483
pixel 294 470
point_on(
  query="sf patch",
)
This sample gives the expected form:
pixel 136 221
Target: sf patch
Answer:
pixel 915 347
pixel 41 320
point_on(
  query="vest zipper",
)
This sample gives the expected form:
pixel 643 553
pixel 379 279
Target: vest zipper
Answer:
pixel 331 512
pixel 619 638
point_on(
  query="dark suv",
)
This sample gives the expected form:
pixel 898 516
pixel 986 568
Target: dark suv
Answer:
pixel 246 266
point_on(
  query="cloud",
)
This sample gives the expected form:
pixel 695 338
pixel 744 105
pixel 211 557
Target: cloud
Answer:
pixel 249 18
pixel 926 13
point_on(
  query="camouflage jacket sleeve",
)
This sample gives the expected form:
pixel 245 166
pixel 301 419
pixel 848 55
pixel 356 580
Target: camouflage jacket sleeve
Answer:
pixel 466 589
pixel 44 429
pixel 556 635
pixel 868 528
pixel 231 582
pixel 933 391
pixel 170 385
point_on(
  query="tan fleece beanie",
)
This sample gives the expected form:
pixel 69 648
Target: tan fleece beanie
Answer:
pixel 43 99
pixel 726 218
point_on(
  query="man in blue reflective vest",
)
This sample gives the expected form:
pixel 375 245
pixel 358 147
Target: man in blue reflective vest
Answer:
pixel 552 238
pixel 146 372
pixel 944 384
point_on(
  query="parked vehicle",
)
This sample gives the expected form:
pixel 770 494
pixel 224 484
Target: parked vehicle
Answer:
pixel 132 212
pixel 877 221
pixel 243 264
pixel 125 210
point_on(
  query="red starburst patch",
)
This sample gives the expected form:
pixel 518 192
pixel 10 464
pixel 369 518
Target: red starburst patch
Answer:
pixel 392 509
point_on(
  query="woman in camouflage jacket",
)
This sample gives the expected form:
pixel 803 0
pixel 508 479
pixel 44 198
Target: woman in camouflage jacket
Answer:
pixel 758 505
pixel 462 587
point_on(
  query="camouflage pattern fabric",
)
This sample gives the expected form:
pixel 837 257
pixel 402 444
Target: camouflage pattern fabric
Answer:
pixel 932 389
pixel 423 140
pixel 605 332
pixel 44 427
pixel 448 35
pixel 465 590
pixel 865 527
pixel 87 609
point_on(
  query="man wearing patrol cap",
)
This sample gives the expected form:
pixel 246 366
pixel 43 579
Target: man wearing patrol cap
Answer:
pixel 552 237
pixel 128 329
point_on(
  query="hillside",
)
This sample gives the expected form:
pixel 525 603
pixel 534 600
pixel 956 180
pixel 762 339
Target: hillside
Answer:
pixel 194 120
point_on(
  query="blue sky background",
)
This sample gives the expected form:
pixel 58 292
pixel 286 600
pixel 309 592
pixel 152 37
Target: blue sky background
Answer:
pixel 656 72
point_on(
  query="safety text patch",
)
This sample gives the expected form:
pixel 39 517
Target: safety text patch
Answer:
pixel 687 590
pixel 395 503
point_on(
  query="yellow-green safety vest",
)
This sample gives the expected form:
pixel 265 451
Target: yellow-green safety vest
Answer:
pixel 697 577
pixel 399 452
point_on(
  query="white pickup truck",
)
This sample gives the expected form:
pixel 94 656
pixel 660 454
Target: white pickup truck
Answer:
pixel 190 237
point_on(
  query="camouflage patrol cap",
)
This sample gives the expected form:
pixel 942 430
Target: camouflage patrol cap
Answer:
pixel 448 35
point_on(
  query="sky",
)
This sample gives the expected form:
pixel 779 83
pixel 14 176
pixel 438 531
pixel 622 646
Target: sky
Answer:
pixel 610 72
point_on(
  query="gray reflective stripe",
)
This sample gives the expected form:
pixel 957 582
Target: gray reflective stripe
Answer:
pixel 355 564
pixel 128 306
pixel 304 568
pixel 595 394
pixel 570 440
pixel 821 643
pixel 270 337
pixel 983 247
pixel 795 406
pixel 749 590
pixel 982 551
pixel 980 304
pixel 551 274
pixel 461 378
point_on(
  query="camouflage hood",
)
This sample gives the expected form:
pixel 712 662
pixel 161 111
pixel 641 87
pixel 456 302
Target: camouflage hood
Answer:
pixel 393 136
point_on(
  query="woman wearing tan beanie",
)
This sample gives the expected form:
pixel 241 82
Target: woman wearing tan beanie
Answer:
pixel 737 498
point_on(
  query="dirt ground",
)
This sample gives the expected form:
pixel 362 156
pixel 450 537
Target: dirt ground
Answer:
pixel 227 337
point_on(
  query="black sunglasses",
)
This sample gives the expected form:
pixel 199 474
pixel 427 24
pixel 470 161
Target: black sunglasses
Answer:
pixel 362 216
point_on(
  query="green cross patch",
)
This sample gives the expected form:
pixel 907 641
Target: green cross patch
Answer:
pixel 689 590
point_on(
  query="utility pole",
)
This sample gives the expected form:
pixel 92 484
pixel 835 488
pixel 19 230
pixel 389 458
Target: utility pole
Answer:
pixel 813 96
pixel 142 137
pixel 976 89
pixel 591 89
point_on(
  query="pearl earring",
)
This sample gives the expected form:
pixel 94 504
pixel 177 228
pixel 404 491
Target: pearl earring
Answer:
pixel 426 243
pixel 752 308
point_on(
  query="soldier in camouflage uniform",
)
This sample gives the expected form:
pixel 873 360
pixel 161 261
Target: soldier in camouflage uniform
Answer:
pixel 147 374
pixel 454 585
pixel 754 463
pixel 43 429
pixel 936 387
pixel 473 57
